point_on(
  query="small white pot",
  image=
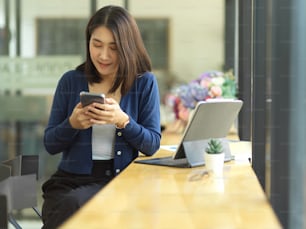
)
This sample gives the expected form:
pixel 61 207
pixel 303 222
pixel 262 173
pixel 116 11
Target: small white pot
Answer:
pixel 214 163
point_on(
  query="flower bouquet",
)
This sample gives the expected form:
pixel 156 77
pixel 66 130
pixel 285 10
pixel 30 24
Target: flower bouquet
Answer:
pixel 209 85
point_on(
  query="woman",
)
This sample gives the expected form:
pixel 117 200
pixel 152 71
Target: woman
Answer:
pixel 98 141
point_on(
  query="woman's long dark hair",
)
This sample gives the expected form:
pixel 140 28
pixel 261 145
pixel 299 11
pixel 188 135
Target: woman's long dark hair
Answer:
pixel 133 57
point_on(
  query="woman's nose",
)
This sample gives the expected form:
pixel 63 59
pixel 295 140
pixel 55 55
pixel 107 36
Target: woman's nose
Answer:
pixel 104 53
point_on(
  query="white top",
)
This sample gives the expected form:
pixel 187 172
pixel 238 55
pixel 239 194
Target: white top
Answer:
pixel 103 137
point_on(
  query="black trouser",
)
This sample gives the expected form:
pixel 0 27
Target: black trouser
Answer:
pixel 64 193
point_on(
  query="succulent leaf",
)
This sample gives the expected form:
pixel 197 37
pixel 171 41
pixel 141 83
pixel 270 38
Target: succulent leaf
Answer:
pixel 214 146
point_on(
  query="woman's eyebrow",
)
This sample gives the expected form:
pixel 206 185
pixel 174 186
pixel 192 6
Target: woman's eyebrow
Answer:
pixel 98 40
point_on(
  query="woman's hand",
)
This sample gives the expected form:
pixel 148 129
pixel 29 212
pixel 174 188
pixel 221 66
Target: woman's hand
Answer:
pixel 79 119
pixel 107 113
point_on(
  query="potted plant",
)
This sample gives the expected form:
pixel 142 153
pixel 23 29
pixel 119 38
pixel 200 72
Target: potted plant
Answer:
pixel 214 156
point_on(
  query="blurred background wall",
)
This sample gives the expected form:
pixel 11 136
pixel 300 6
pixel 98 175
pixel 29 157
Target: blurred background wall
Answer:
pixel 40 40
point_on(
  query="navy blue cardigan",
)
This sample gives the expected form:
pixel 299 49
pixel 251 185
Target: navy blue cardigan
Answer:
pixel 142 134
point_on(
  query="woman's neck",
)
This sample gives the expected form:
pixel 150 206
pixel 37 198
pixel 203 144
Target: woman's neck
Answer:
pixel 104 87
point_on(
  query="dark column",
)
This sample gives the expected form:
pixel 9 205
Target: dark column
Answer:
pixel 245 67
pixel 280 107
pixel 229 37
pixel 18 27
pixel 126 4
pixel 259 98
pixel 3 212
pixel 93 6
pixel 6 35
pixel 297 191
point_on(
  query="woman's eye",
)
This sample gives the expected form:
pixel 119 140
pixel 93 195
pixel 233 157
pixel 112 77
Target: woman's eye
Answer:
pixel 97 45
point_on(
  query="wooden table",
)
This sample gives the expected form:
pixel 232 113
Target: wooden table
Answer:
pixel 148 196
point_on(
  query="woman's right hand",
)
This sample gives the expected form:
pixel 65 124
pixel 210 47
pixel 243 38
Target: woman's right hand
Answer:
pixel 79 119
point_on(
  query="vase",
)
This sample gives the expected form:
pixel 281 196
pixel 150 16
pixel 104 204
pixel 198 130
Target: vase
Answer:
pixel 214 163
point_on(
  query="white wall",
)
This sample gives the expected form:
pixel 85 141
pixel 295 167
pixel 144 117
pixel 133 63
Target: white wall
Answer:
pixel 2 13
pixel 32 9
pixel 196 33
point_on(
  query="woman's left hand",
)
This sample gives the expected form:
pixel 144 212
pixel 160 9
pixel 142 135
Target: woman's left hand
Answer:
pixel 108 113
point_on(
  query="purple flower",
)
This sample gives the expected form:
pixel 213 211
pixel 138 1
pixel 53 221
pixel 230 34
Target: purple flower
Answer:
pixel 184 92
pixel 199 93
pixel 209 84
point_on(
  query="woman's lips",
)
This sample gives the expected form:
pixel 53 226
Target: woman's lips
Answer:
pixel 104 65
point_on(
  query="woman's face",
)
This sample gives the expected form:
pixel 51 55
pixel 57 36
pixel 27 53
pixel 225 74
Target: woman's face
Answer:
pixel 103 52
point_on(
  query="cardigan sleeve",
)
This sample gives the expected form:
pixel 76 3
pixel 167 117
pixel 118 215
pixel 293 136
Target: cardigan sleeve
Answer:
pixel 144 133
pixel 59 134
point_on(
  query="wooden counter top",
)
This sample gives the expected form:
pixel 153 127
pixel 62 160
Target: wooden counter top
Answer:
pixel 148 196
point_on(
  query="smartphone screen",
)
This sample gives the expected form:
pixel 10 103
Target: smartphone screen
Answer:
pixel 89 97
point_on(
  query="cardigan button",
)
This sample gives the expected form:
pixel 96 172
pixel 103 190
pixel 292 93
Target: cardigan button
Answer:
pixel 117 171
pixel 119 153
pixel 119 133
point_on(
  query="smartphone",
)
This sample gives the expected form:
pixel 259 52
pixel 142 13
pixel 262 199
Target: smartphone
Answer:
pixel 90 97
